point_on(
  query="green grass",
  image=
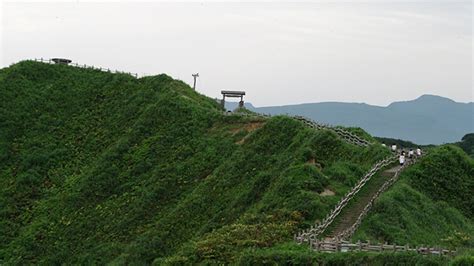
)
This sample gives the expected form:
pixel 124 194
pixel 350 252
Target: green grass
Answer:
pixel 99 167
pixel 102 168
pixel 298 255
pixel 431 204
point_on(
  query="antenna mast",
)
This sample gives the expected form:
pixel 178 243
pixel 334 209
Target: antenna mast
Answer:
pixel 195 76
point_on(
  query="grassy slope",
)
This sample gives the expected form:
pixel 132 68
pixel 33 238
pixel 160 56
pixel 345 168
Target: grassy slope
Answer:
pixel 431 204
pixel 98 167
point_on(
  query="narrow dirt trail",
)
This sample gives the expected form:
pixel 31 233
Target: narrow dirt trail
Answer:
pixel 350 214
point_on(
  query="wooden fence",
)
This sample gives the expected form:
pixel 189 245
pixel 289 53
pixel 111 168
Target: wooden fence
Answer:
pixel 344 134
pixel 315 231
pixel 345 246
pixel 336 244
pixel 49 61
pixel 347 234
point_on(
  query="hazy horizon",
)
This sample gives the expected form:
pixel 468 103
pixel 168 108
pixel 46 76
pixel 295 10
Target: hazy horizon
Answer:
pixel 349 102
pixel 279 53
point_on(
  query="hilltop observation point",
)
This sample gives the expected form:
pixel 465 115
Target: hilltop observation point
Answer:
pixel 233 94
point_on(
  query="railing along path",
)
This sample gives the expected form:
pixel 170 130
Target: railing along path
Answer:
pixel 344 134
pixel 315 231
pixel 347 234
pixel 49 61
pixel 333 245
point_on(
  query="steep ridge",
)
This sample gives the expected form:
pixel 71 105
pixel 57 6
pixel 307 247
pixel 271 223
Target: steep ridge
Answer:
pixel 101 168
pixel 315 232
pixel 346 135
pixel 419 208
pixel 363 204
pixel 350 214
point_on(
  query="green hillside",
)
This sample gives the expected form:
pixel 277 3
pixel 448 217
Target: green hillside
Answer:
pixel 105 168
pixel 439 188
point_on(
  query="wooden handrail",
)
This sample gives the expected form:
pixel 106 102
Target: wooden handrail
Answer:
pixel 87 67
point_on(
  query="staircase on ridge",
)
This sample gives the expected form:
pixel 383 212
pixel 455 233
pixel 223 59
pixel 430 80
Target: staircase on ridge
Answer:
pixel 352 212
pixel 344 134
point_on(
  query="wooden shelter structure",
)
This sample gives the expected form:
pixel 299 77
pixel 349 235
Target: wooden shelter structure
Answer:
pixel 233 94
pixel 63 61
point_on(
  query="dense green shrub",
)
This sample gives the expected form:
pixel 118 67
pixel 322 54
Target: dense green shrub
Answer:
pixel 430 205
pixel 446 174
pixel 467 144
pixel 100 168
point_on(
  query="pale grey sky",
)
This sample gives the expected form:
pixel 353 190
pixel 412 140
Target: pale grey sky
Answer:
pixel 280 53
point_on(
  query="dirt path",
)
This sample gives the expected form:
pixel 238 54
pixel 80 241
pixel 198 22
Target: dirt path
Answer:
pixel 349 215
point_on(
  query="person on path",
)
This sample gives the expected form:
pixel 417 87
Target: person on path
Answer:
pixel 418 151
pixel 394 147
pixel 411 153
pixel 402 158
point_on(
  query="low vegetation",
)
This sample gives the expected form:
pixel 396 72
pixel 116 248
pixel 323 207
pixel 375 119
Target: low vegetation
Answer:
pixel 102 168
pixel 467 144
pixel 431 204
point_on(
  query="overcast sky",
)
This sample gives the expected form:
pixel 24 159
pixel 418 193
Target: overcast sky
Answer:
pixel 279 53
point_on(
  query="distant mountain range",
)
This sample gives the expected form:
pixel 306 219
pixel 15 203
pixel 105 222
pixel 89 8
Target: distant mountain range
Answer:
pixel 428 119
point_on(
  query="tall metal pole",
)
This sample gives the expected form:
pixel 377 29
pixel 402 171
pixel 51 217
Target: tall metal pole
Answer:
pixel 195 76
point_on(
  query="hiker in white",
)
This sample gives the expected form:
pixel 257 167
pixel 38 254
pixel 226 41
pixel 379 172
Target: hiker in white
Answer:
pixel 402 158
pixel 394 147
pixel 383 145
pixel 411 153
pixel 418 151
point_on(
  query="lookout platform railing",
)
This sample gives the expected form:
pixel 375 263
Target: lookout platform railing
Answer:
pixel 50 61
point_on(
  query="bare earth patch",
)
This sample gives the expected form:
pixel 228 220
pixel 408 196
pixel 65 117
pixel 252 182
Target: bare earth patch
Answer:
pixel 327 192
pixel 249 127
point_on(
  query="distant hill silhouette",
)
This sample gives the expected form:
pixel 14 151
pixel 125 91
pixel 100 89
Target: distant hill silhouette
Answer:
pixel 428 119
